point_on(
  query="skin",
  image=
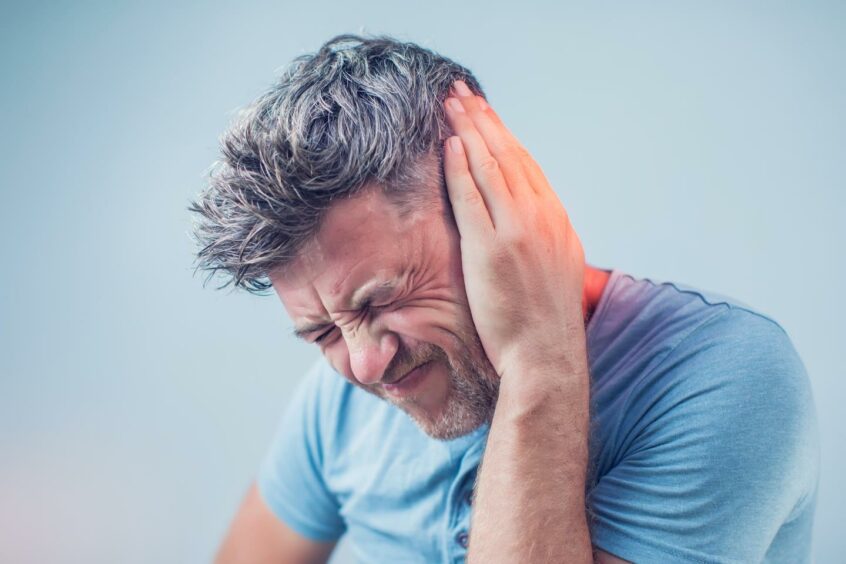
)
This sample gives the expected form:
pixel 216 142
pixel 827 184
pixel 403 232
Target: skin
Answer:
pixel 425 316
pixel 524 272
pixel 494 295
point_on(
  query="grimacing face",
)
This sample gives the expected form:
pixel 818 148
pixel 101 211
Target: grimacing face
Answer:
pixel 383 295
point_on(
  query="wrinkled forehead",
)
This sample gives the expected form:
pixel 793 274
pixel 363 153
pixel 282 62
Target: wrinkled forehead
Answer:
pixel 366 231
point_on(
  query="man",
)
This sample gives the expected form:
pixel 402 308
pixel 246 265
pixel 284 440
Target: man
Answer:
pixel 473 363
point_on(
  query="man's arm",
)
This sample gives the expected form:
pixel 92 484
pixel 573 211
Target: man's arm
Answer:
pixel 257 536
pixel 530 503
pixel 530 491
pixel 523 269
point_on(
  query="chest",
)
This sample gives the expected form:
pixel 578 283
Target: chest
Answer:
pixel 406 503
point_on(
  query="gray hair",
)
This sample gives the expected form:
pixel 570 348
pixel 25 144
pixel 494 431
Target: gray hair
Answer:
pixel 356 112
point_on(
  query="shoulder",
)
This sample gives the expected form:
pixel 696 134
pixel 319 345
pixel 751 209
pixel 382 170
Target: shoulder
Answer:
pixel 666 350
pixel 645 327
pixel 736 354
pixel 703 399
pixel 696 382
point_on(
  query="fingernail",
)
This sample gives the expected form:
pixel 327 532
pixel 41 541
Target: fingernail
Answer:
pixel 462 89
pixel 482 104
pixel 455 105
pixel 455 145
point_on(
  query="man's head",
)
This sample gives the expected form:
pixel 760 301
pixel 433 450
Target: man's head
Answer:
pixel 330 183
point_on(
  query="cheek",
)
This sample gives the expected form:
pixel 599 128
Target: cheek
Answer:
pixel 435 321
pixel 339 357
pixel 443 326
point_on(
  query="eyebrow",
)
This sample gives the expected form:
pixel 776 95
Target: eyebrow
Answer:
pixel 360 300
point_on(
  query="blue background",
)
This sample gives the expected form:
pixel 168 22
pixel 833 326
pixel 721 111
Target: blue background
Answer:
pixel 703 143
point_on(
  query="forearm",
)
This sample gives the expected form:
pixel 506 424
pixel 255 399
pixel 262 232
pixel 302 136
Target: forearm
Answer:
pixel 530 504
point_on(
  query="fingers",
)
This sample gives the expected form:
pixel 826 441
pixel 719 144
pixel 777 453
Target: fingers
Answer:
pixel 468 204
pixel 522 173
pixel 483 166
pixel 501 144
pixel 493 172
pixel 537 179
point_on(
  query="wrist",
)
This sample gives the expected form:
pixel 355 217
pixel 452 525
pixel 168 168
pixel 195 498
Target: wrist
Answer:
pixel 556 394
pixel 563 355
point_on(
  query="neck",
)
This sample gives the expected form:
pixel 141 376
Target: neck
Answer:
pixel 595 282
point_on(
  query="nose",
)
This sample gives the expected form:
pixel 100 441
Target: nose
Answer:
pixel 370 354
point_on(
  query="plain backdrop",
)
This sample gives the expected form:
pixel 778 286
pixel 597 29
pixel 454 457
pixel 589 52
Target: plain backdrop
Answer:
pixel 698 142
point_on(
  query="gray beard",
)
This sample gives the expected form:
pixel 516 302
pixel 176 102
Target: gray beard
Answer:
pixel 472 395
pixel 471 402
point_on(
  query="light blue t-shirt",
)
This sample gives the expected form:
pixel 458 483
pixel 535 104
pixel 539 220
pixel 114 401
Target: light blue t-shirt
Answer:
pixel 703 445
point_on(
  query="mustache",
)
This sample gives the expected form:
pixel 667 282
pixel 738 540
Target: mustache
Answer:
pixel 406 360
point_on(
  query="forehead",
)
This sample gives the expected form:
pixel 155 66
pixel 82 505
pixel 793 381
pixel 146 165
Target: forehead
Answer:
pixel 361 239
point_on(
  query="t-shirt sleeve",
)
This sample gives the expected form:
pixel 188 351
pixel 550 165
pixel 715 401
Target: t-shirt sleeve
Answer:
pixel 719 451
pixel 291 479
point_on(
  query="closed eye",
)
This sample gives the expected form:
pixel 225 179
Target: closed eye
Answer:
pixel 365 309
pixel 323 335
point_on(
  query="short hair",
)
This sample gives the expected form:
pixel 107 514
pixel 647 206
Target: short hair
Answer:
pixel 359 111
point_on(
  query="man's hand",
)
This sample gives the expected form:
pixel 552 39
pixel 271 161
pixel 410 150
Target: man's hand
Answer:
pixel 523 263
pixel 524 274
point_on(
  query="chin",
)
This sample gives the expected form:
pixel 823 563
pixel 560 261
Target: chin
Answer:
pixel 455 420
pixel 444 432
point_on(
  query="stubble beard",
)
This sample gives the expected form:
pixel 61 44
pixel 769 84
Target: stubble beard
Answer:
pixel 472 390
